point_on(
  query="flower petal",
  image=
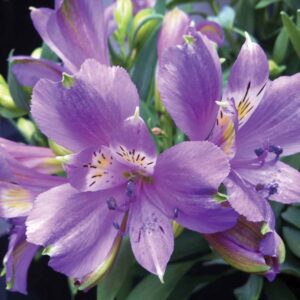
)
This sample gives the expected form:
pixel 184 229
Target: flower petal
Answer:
pixel 189 82
pixel 18 258
pixel 75 31
pixel 133 145
pixel 151 236
pixel 77 228
pixel 30 70
pixel 244 199
pixel 95 169
pixel 189 198
pixel 86 113
pixel 276 121
pixel 283 177
pixel 174 26
pixel 212 30
pixel 248 79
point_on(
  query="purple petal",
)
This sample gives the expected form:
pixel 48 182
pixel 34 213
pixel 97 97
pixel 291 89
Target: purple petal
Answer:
pixel 133 146
pixel 95 169
pixel 212 30
pixel 243 197
pixel 77 228
pixel 151 236
pixel 189 199
pixel 189 83
pixel 77 30
pixel 276 121
pixel 282 177
pixel 247 81
pixel 174 26
pixel 87 113
pixel 41 159
pixel 30 70
pixel 18 258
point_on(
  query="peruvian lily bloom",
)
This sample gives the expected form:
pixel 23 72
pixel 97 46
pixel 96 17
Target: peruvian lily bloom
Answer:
pixel 249 248
pixel 20 183
pixel 176 25
pixel 75 30
pixel 117 182
pixel 257 122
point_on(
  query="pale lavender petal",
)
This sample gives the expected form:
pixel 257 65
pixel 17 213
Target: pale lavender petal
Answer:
pixel 186 178
pixel 30 70
pixel 276 120
pixel 77 228
pixel 151 236
pixel 189 82
pixel 243 197
pixel 18 258
pixel 248 79
pixel 78 30
pixel 279 178
pixel 41 159
pixel 86 113
pixel 133 146
pixel 212 30
pixel 95 169
pixel 174 26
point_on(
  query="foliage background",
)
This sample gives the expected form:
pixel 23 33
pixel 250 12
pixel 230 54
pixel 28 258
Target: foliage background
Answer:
pixel 194 272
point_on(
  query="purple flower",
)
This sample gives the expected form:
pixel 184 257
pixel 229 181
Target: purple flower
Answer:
pixel 118 183
pixel 257 120
pixel 249 248
pixel 176 25
pixel 141 4
pixel 75 30
pixel 20 183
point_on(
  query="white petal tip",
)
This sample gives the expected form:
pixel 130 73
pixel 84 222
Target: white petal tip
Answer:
pixel 248 38
pixel 136 113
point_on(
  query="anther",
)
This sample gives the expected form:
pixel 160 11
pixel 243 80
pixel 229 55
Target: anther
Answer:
pixel 259 152
pixel 116 225
pixel 259 187
pixel 277 150
pixel 176 212
pixel 130 188
pixel 273 188
pixel 111 203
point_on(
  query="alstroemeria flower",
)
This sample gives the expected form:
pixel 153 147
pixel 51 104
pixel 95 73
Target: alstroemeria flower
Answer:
pixel 176 25
pixel 118 183
pixel 20 184
pixel 251 247
pixel 262 123
pixel 75 30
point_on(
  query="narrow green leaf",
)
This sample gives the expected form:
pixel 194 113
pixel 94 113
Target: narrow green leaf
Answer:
pixel 245 15
pixel 278 290
pixel 108 288
pixel 251 290
pixel 265 3
pixel 292 215
pixel 292 238
pixel 281 46
pixel 151 288
pixel 143 72
pixel 292 31
pixel 19 94
pixel 291 266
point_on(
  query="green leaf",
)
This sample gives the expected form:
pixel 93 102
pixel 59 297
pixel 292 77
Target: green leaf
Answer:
pixel 251 290
pixel 160 6
pixel 278 290
pixel 151 288
pixel 293 32
pixel 20 95
pixel 47 53
pixel 293 161
pixel 265 3
pixel 281 46
pixel 143 72
pixel 292 238
pixel 291 266
pixel 111 284
pixel 245 15
pixel 292 215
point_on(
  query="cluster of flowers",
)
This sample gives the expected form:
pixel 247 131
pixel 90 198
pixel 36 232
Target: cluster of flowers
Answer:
pixel 117 183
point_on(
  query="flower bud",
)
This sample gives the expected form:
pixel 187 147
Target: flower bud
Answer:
pixel 173 29
pixel 249 247
pixel 123 15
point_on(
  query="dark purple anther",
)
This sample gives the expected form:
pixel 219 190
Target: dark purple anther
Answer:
pixel 259 152
pixel 273 188
pixel 176 211
pixel 130 188
pixel 259 187
pixel 111 203
pixel 116 225
pixel 277 150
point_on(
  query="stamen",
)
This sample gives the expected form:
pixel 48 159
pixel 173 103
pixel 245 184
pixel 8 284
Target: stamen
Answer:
pixel 273 188
pixel 130 188
pixel 176 212
pixel 277 150
pixel 116 225
pixel 111 203
pixel 259 187
pixel 259 152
